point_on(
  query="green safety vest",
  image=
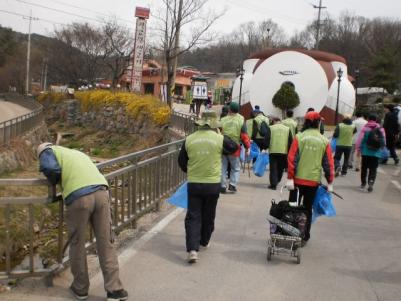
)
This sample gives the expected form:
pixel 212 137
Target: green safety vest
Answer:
pixel 259 119
pixel 204 149
pixel 279 139
pixel 346 132
pixel 77 170
pixel 292 124
pixel 231 125
pixel 249 127
pixel 312 147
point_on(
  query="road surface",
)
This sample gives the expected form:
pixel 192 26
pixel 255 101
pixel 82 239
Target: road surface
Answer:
pixel 9 110
pixel 353 256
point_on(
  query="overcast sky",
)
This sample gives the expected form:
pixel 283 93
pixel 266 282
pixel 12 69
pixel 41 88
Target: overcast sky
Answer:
pixel 292 15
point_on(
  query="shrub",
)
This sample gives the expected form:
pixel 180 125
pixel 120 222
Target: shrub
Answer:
pixel 51 96
pixel 286 98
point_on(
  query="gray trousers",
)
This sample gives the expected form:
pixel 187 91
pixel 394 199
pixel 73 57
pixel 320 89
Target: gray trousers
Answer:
pixel 93 208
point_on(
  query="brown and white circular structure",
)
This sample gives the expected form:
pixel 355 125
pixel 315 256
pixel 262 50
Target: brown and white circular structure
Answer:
pixel 313 73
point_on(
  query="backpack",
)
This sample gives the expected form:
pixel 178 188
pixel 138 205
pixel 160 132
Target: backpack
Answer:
pixel 375 140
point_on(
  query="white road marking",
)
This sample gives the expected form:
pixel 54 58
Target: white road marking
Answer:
pixel 381 171
pixel 132 249
pixel 396 184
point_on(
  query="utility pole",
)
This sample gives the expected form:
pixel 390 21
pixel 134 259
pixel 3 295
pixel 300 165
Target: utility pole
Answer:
pixel 28 55
pixel 320 7
pixel 177 43
pixel 45 79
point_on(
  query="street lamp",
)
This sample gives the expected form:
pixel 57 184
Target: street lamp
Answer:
pixel 339 75
pixel 356 88
pixel 240 73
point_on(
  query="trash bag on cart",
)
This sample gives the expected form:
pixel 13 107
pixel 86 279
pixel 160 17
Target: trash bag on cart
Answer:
pixel 294 216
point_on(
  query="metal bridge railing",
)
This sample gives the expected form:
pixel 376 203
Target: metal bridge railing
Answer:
pixel 15 127
pixel 139 182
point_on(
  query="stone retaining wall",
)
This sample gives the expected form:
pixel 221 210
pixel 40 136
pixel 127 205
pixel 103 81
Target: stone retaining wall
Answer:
pixel 21 152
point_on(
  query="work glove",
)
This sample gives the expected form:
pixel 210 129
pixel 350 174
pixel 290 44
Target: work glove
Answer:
pixel 330 187
pixel 290 184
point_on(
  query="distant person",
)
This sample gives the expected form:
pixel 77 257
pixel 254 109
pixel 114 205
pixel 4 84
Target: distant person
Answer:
pixel 359 123
pixel 234 127
pixel 343 132
pixel 309 155
pixel 200 157
pixel 369 144
pixel 280 142
pixel 321 127
pixel 392 129
pixel 86 196
pixel 192 107
pixel 224 111
pixel 291 122
pixel 260 129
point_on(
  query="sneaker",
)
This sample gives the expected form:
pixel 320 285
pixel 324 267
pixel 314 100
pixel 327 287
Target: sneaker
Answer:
pixel 338 171
pixel 272 187
pixel 357 169
pixel 77 295
pixel 362 187
pixel 223 189
pixel 370 187
pixel 204 247
pixel 232 188
pixel 396 161
pixel 192 257
pixel 120 295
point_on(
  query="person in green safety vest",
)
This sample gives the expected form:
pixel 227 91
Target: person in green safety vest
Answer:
pixel 291 122
pixel 201 158
pixel 86 196
pixel 344 133
pixel 280 142
pixel 233 126
pixel 260 130
pixel 310 152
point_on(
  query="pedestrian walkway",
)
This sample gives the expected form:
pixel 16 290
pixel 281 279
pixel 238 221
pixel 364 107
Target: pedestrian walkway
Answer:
pixel 354 256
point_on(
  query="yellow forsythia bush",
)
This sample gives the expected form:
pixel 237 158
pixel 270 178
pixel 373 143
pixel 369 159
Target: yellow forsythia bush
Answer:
pixel 52 96
pixel 134 104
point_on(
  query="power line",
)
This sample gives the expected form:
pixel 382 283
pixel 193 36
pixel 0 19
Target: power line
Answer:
pixel 27 16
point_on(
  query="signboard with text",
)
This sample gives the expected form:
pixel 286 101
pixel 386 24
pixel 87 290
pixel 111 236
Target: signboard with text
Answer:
pixel 139 49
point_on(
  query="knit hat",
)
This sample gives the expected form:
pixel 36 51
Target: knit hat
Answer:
pixel 312 115
pixel 234 107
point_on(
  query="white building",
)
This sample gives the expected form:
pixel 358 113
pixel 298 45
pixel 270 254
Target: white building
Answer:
pixel 313 73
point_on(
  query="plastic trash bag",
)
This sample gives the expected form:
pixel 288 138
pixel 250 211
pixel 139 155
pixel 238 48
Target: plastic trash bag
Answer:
pixel 259 168
pixel 180 196
pixel 243 157
pixel 333 145
pixel 322 204
pixel 254 152
pixel 384 155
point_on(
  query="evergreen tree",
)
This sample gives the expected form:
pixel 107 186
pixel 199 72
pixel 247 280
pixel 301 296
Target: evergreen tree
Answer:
pixel 286 97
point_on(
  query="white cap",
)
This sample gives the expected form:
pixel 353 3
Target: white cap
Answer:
pixel 42 147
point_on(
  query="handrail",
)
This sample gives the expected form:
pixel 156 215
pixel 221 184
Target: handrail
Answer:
pixel 140 185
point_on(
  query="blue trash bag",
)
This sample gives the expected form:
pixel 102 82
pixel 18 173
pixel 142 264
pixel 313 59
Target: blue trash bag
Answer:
pixel 259 167
pixel 180 196
pixel 254 151
pixel 333 145
pixel 384 155
pixel 322 204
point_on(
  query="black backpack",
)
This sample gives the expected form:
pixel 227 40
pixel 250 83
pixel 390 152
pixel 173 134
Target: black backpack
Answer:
pixel 375 139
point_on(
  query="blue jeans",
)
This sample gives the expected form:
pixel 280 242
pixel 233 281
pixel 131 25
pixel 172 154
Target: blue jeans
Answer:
pixel 234 172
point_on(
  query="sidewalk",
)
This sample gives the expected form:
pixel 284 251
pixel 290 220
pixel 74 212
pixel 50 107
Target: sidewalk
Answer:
pixel 354 256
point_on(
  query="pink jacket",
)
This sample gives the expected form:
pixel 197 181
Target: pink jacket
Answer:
pixel 367 128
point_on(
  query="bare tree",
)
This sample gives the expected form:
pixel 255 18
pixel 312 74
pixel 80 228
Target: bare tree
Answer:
pixel 172 21
pixel 118 47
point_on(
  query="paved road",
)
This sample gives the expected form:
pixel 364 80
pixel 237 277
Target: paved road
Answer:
pixel 354 256
pixel 9 110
